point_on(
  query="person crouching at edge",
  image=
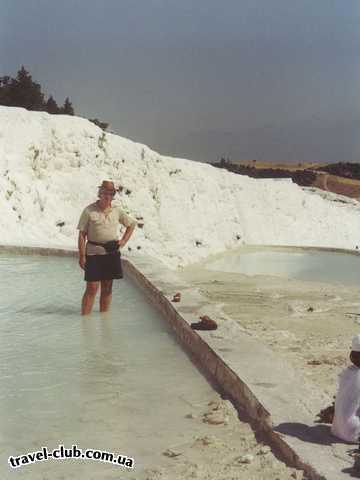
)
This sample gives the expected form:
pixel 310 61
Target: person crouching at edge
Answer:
pixel 346 422
pixel 98 225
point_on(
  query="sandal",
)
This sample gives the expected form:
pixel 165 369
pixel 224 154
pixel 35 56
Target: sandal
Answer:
pixel 206 324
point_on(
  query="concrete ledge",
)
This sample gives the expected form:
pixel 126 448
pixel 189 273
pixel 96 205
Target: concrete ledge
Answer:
pixel 315 249
pixel 19 249
pixel 301 248
pixel 209 360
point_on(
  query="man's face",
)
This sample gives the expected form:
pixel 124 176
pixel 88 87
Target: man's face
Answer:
pixel 106 196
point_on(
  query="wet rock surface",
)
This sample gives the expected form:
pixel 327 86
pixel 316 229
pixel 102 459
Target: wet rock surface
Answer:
pixel 277 313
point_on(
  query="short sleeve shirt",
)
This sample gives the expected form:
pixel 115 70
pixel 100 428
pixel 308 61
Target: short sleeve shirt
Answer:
pixel 102 225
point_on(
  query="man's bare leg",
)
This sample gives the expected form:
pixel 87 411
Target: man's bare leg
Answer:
pixel 105 295
pixel 89 297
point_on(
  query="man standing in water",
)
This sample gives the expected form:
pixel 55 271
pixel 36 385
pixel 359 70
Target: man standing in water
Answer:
pixel 99 246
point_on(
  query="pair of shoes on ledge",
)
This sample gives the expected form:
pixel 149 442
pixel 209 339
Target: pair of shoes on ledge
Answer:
pixel 206 324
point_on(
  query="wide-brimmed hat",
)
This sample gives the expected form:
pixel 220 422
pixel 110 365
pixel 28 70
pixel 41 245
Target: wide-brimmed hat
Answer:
pixel 355 343
pixel 108 185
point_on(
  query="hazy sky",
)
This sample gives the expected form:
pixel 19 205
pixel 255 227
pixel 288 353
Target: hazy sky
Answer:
pixel 245 79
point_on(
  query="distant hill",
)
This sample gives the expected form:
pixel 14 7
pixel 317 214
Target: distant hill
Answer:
pixel 346 170
pixel 340 178
pixel 301 176
pixel 280 166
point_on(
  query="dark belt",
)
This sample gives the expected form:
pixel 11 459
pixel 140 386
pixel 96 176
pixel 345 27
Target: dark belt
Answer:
pixel 111 247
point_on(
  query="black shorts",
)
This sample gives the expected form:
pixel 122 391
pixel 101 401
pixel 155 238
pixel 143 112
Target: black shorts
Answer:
pixel 103 267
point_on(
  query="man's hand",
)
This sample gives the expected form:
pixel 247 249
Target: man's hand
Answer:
pixel 82 248
pixel 121 243
pixel 82 261
pixel 128 232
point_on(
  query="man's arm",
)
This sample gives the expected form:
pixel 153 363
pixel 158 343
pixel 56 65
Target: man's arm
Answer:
pixel 81 247
pixel 128 232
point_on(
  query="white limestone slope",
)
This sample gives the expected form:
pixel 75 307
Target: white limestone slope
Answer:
pixel 50 166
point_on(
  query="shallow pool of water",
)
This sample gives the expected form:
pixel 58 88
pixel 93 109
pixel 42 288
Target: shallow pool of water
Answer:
pixel 117 382
pixel 300 264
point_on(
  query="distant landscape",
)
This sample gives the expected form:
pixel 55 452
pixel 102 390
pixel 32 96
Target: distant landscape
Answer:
pixel 341 178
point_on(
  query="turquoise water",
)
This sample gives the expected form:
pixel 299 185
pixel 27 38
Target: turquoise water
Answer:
pixel 307 265
pixel 117 382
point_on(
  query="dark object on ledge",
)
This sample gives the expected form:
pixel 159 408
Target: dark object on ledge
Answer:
pixel 326 415
pixel 356 467
pixel 206 324
pixel 176 297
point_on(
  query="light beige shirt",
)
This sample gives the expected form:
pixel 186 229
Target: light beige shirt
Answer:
pixel 102 225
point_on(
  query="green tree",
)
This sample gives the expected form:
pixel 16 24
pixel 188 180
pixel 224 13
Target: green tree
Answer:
pixel 67 108
pixel 4 90
pixel 51 106
pixel 97 122
pixel 24 92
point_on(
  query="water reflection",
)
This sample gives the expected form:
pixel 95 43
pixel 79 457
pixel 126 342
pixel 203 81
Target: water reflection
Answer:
pixel 311 265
